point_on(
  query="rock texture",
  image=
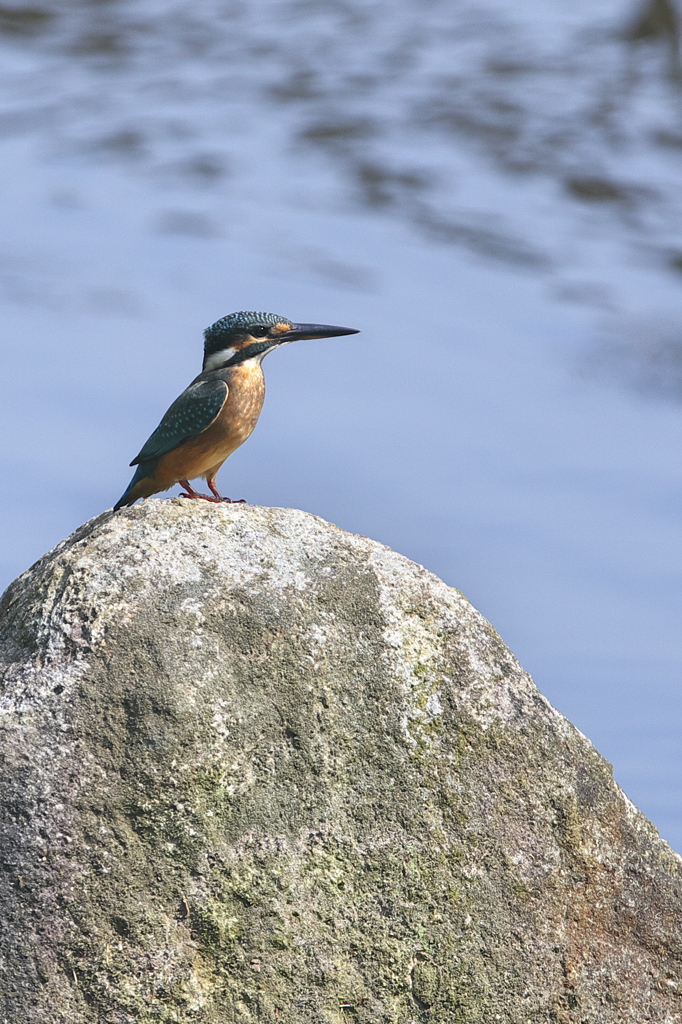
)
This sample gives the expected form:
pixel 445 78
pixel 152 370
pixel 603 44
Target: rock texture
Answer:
pixel 257 769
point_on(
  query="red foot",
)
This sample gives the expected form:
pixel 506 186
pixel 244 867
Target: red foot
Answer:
pixel 204 497
pixel 218 496
pixel 217 499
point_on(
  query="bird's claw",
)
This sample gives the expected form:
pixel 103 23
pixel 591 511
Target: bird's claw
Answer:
pixel 204 497
pixel 216 501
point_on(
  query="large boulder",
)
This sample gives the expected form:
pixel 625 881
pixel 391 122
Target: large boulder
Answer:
pixel 255 768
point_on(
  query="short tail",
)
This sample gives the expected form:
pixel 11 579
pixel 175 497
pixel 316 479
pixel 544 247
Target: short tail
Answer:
pixel 134 491
pixel 125 499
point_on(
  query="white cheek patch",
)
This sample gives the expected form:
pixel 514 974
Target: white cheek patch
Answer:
pixel 218 358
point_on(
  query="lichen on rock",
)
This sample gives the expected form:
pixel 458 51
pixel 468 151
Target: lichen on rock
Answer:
pixel 257 769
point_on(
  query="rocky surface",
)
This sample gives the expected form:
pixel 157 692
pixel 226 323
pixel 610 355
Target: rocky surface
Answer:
pixel 255 768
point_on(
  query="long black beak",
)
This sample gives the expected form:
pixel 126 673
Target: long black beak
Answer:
pixel 301 331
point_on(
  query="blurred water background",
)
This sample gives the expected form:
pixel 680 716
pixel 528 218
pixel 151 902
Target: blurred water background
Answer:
pixel 491 191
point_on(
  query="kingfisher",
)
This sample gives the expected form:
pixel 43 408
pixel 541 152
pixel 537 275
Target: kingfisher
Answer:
pixel 219 409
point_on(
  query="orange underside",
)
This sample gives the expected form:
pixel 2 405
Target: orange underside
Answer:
pixel 203 455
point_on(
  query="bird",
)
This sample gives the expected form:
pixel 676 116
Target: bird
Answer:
pixel 220 408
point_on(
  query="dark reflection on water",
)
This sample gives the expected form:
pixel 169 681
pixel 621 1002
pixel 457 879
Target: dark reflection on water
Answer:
pixel 24 21
pixel 598 190
pixel 393 95
pixel 657 21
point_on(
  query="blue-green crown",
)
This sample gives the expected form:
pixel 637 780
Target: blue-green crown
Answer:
pixel 217 336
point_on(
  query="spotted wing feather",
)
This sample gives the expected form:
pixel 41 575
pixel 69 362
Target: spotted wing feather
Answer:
pixel 193 411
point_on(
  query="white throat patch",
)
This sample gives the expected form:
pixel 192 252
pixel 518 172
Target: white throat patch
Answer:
pixel 218 358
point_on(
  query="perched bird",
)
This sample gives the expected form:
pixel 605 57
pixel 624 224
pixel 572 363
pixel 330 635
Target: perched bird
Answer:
pixel 219 409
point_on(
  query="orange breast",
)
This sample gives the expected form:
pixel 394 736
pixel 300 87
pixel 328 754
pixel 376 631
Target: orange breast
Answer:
pixel 203 455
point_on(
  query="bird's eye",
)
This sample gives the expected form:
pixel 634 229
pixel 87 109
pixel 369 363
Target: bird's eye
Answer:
pixel 260 332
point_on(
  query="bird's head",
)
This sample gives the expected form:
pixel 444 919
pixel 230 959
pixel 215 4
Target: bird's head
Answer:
pixel 241 336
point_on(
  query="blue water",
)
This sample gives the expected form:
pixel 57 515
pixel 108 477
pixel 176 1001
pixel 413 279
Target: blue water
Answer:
pixel 492 195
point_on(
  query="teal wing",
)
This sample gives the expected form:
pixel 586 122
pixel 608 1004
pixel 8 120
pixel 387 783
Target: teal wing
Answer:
pixel 192 412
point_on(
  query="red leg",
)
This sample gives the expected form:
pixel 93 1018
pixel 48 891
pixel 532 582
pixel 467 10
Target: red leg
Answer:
pixel 218 496
pixel 191 493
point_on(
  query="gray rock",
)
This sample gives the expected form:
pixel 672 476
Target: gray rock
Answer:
pixel 255 768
